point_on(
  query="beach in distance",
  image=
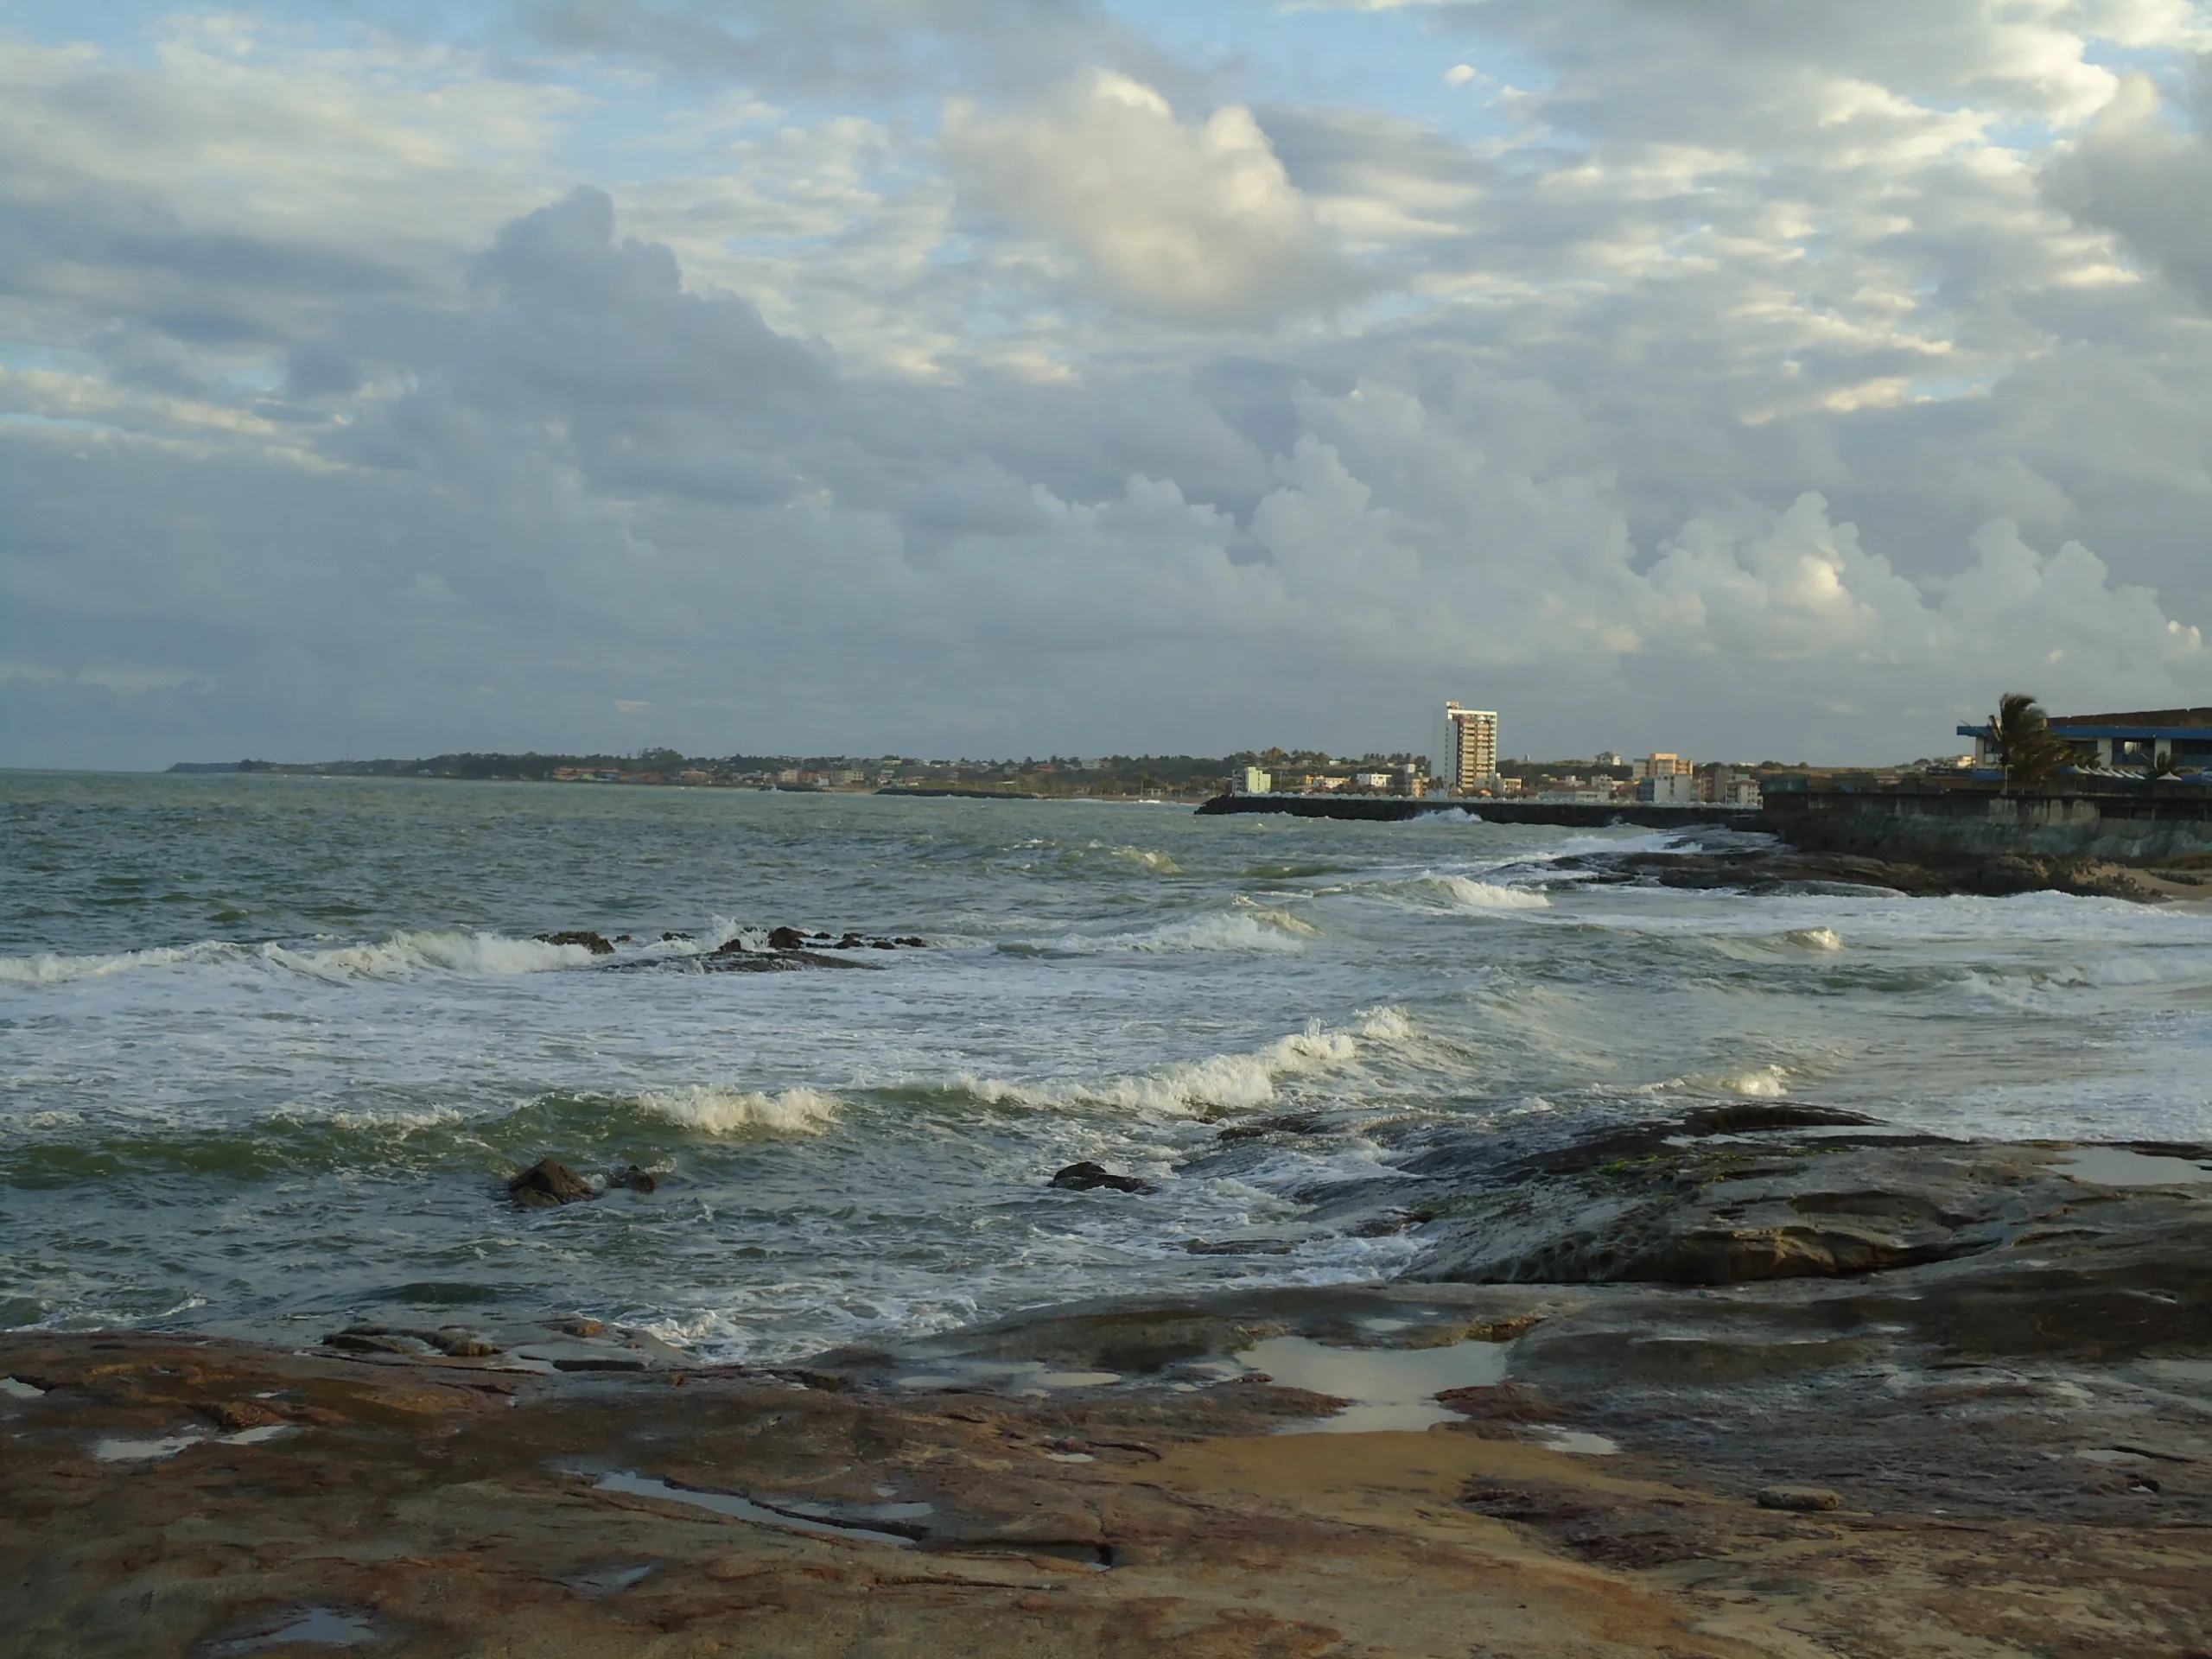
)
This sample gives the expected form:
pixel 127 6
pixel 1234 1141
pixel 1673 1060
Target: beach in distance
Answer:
pixel 1742 1232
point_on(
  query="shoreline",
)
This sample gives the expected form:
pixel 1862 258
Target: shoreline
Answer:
pixel 1759 1380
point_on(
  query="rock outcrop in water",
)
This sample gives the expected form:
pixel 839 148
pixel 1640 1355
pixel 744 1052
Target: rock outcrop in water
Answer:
pixel 786 949
pixel 1088 1177
pixel 547 1183
pixel 597 944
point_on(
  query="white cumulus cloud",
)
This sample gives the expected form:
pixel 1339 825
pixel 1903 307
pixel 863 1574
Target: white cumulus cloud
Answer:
pixel 1194 222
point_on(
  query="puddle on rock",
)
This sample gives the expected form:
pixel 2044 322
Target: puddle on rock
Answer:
pixel 323 1627
pixel 146 1451
pixel 1389 1388
pixel 606 1581
pixel 1014 1377
pixel 1578 1443
pixel 2118 1167
pixel 19 1390
pixel 744 1508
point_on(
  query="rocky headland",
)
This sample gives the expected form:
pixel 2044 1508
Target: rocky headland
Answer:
pixel 1752 1380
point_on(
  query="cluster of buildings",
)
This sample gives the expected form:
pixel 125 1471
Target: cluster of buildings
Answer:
pixel 1464 764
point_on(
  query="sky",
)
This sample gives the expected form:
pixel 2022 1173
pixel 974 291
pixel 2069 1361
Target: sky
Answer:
pixel 1026 377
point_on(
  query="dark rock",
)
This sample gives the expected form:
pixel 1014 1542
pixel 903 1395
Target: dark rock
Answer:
pixel 597 943
pixel 457 1342
pixel 637 1179
pixel 912 942
pixel 550 1183
pixel 1803 1500
pixel 786 939
pixel 672 938
pixel 1089 1177
pixel 371 1339
pixel 581 1326
pixel 1752 1116
pixel 740 961
pixel 850 941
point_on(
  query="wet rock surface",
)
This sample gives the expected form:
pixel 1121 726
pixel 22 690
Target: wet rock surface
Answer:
pixel 1982 1427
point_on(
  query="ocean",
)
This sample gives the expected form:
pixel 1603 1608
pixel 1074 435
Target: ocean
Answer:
pixel 269 1046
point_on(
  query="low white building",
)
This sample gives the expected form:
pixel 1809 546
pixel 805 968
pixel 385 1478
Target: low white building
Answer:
pixel 1257 780
pixel 1669 789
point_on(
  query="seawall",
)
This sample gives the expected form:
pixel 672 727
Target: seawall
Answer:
pixel 1975 824
pixel 1392 809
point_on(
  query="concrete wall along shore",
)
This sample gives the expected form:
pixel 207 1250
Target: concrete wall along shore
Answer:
pixel 1962 824
pixel 1946 826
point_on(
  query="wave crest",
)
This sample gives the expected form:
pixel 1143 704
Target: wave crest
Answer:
pixel 1465 892
pixel 397 956
pixel 716 1111
pixel 1221 1082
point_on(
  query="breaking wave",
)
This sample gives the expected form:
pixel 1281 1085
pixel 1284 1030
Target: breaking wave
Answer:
pixel 1465 892
pixel 724 1111
pixel 400 955
pixel 1221 1082
pixel 1256 928
pixel 404 954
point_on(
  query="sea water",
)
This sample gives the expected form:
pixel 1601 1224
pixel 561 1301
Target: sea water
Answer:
pixel 270 1045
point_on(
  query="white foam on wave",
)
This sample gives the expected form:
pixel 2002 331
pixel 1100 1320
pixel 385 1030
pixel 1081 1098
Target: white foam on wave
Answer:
pixel 712 1110
pixel 408 953
pixel 1465 892
pixel 1816 939
pixel 1250 927
pixel 400 955
pixel 1158 863
pixel 49 969
pixel 1221 1082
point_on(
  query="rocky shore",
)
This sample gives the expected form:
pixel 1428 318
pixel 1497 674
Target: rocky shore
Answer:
pixel 1755 1380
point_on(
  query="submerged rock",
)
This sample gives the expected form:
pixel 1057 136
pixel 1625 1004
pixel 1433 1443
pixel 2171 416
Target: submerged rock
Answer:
pixel 597 943
pixel 546 1183
pixel 637 1179
pixel 786 939
pixel 1089 1178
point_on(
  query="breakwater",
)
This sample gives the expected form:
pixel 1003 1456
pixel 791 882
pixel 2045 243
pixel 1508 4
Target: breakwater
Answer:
pixel 1391 809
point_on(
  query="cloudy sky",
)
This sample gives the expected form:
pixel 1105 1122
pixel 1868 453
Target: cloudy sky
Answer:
pixel 987 376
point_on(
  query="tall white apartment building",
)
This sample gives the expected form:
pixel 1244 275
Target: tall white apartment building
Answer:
pixel 1462 755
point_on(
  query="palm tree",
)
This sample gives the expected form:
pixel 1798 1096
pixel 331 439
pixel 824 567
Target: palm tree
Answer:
pixel 2027 749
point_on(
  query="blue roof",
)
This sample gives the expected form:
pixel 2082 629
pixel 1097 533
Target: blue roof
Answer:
pixel 2129 734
